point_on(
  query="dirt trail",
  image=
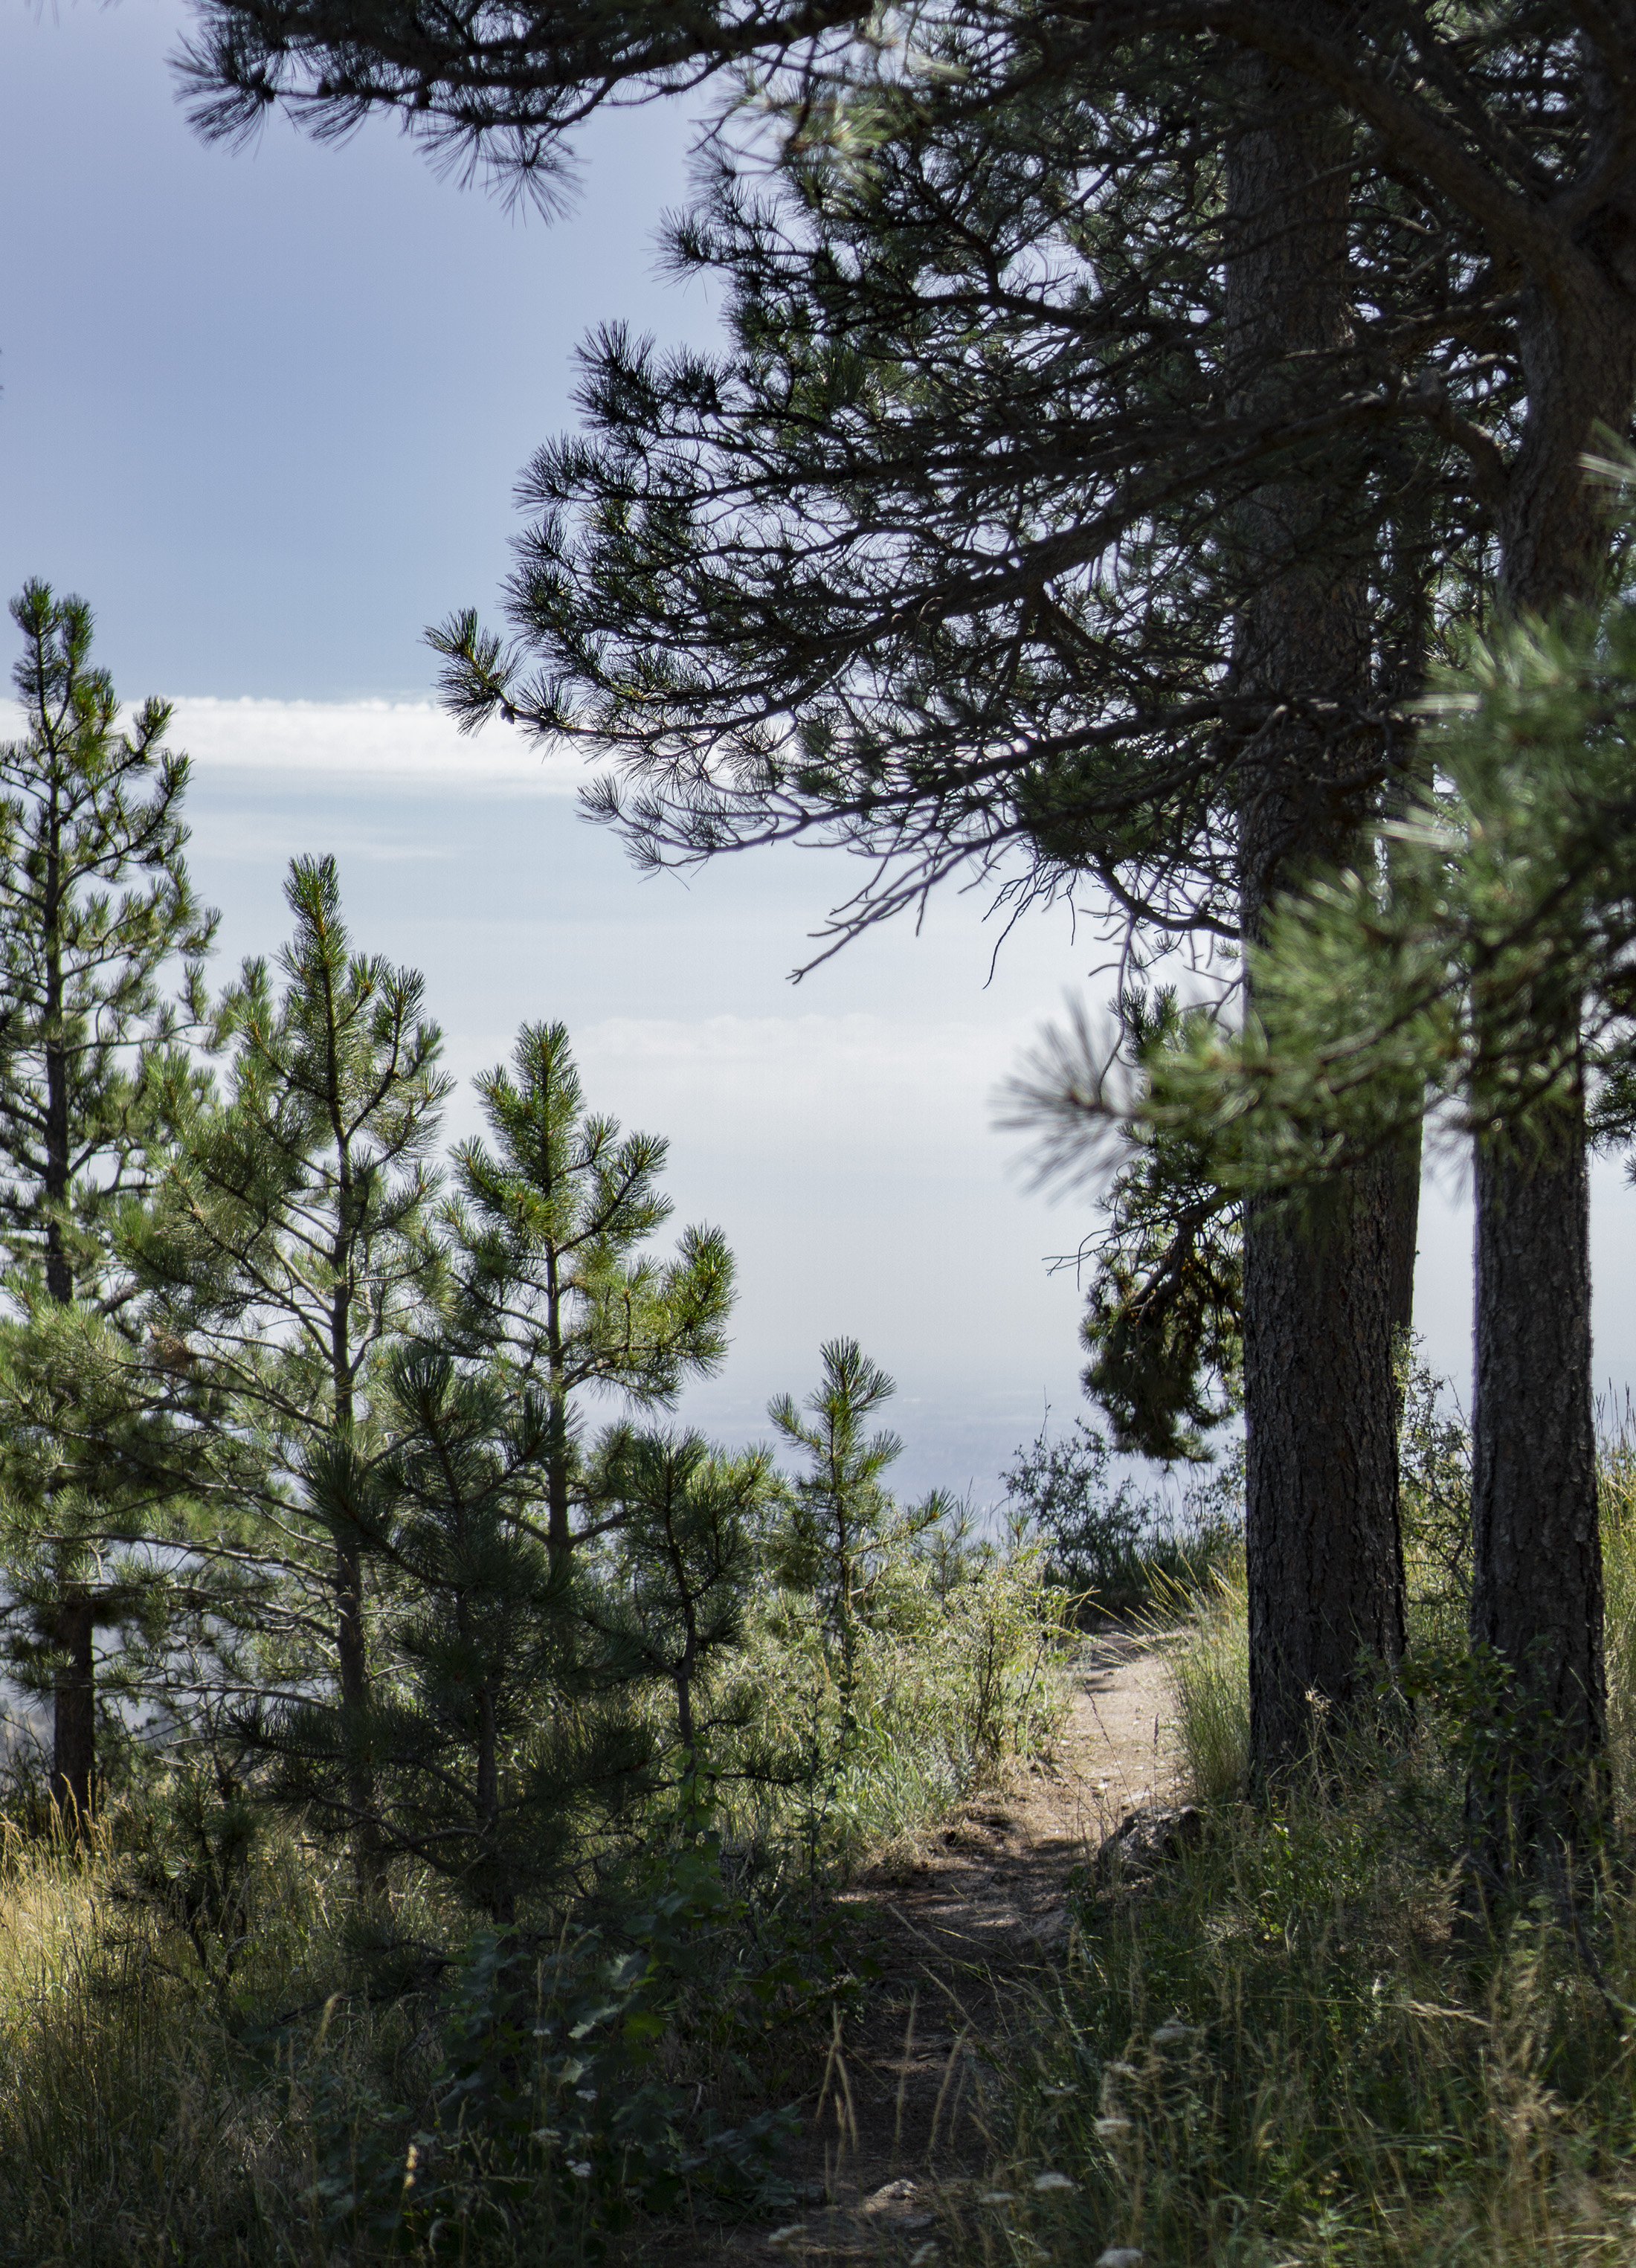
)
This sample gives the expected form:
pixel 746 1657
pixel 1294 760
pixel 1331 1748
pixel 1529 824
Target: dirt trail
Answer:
pixel 967 1928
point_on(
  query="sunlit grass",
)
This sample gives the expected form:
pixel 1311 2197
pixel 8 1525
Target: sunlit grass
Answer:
pixel 1289 2049
pixel 174 2097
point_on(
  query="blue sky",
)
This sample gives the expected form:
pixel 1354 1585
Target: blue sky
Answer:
pixel 266 411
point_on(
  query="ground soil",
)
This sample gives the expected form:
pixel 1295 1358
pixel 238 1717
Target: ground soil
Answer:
pixel 969 1928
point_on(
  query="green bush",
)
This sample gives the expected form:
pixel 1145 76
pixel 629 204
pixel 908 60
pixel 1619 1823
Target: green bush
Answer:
pixel 1106 1544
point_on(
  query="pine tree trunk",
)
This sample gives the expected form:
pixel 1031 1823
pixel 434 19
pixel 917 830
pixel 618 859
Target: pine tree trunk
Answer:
pixel 1536 1596
pixel 74 1730
pixel 1325 1559
pixel 1402 1232
pixel 351 1636
pixel 73 1698
pixel 352 1665
pixel 1322 1296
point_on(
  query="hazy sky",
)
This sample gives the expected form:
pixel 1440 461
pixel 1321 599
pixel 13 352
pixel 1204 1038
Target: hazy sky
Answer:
pixel 265 411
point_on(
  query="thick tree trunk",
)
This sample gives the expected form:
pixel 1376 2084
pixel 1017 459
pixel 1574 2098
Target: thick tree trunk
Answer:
pixel 1536 1597
pixel 74 1729
pixel 1320 1296
pixel 1325 1560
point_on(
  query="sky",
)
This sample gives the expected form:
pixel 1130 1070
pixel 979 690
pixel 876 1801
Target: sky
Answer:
pixel 265 410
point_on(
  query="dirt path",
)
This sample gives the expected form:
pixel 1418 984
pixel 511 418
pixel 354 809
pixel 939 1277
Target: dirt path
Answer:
pixel 967 1928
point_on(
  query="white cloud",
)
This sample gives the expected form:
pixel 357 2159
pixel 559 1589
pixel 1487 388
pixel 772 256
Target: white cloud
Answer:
pixel 406 743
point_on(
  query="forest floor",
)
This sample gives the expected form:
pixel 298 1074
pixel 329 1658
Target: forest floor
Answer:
pixel 968 1925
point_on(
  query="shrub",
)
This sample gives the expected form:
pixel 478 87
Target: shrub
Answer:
pixel 1107 1543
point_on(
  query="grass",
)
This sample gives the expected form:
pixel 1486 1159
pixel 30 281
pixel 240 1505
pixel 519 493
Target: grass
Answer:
pixel 189 2085
pixel 1286 2051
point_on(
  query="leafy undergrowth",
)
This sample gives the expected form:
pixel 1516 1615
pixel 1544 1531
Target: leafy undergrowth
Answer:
pixel 213 2050
pixel 388 2083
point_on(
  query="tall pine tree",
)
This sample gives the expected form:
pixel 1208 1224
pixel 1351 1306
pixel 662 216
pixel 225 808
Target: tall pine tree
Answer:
pixel 291 1251
pixel 98 924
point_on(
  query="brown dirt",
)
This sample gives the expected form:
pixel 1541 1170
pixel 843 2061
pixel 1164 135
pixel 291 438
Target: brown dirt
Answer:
pixel 968 1927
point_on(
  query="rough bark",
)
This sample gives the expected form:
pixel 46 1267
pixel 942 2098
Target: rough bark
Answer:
pixel 74 1725
pixel 1537 1598
pixel 1321 1295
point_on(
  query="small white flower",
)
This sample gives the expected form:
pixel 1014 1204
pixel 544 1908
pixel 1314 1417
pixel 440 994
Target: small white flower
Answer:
pixel 580 2169
pixel 1173 2034
pixel 1052 2182
pixel 1121 2255
pixel 1110 2129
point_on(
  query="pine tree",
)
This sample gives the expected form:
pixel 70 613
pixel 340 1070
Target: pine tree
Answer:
pixel 986 633
pixel 793 592
pixel 1489 966
pixel 549 1223
pixel 1164 1317
pixel 96 909
pixel 500 1739
pixel 844 1528
pixel 290 1252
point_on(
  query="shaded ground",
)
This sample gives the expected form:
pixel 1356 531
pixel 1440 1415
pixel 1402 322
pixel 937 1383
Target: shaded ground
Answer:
pixel 968 1928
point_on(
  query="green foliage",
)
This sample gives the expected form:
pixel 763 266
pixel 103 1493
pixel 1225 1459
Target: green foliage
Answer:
pixel 1434 1502
pixel 188 1855
pixel 1163 1316
pixel 549 1225
pixel 95 903
pixel 547 2117
pixel 1615 1489
pixel 223 2058
pixel 1209 1683
pixel 291 1243
pixel 493 1741
pixel 956 1673
pixel 1481 962
pixel 1286 2047
pixel 1109 1545
pixel 287 1253
pixel 841 1529
pixel 821 583
pixel 686 1553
